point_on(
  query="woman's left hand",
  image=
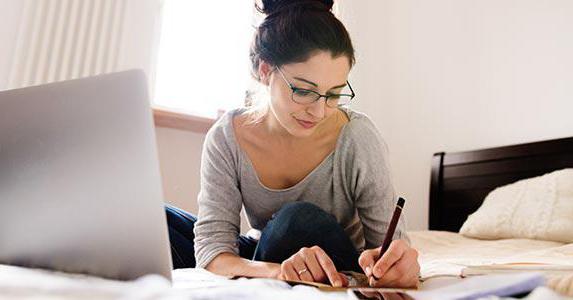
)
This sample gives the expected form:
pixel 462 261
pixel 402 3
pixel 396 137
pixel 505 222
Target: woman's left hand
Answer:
pixel 398 267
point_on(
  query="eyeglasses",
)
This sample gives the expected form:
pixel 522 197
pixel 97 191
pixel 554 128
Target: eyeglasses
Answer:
pixel 304 96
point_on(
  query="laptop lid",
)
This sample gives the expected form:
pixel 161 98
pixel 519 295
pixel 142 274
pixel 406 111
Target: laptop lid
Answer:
pixel 80 188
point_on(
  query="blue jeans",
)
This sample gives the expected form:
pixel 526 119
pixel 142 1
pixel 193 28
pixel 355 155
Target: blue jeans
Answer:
pixel 295 225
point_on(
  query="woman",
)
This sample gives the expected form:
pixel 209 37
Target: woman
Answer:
pixel 310 173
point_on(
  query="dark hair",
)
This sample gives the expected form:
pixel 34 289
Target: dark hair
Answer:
pixel 294 30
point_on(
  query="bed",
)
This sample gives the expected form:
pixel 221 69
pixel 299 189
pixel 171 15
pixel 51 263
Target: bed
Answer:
pixel 459 183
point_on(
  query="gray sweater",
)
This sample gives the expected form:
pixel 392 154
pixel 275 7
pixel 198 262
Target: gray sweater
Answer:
pixel 352 183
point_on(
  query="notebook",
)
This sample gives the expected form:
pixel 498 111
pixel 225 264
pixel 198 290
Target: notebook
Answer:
pixel 546 269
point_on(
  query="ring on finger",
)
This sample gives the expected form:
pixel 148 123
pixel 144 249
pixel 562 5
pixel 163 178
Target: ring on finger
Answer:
pixel 302 271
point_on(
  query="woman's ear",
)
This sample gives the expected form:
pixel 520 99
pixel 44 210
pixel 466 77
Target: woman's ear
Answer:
pixel 265 71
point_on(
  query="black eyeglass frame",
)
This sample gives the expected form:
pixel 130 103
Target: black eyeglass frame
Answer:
pixel 294 89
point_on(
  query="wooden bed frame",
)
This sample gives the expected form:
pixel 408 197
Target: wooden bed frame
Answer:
pixel 461 180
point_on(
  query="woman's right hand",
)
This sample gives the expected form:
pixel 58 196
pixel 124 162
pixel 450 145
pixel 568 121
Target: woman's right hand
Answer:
pixel 311 264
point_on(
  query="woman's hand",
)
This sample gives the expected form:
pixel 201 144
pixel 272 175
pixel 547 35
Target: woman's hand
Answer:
pixel 398 267
pixel 311 264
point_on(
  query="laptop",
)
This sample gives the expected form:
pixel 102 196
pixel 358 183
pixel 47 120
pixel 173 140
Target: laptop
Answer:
pixel 80 188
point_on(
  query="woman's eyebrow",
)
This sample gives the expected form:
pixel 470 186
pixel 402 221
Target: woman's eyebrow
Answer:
pixel 316 85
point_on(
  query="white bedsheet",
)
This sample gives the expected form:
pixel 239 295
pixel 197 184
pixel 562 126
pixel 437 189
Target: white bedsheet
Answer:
pixel 24 283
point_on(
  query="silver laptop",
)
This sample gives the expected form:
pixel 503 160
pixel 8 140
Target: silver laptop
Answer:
pixel 80 187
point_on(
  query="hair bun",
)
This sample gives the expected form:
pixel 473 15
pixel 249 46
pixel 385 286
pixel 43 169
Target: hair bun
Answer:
pixel 271 6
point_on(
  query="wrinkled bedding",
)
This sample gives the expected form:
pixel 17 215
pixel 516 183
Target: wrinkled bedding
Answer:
pixel 24 283
pixel 444 254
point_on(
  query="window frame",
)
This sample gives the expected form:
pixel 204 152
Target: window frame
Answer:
pixel 176 119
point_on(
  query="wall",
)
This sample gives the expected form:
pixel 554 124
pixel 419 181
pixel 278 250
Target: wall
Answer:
pixel 180 155
pixel 450 75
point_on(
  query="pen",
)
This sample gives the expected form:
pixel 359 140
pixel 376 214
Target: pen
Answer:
pixel 391 228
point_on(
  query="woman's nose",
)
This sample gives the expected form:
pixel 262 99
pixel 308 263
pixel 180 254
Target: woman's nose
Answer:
pixel 317 108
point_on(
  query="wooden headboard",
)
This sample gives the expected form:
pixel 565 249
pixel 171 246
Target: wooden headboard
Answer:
pixel 461 180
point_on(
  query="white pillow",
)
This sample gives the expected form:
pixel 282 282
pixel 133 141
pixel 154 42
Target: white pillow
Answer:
pixel 535 208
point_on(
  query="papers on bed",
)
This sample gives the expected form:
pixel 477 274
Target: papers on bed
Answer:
pixel 455 269
pixel 558 277
pixel 205 285
pixel 490 286
pixel 481 286
pixel 546 269
pixel 201 284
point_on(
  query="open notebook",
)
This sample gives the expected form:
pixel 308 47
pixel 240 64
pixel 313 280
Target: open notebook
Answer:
pixel 517 267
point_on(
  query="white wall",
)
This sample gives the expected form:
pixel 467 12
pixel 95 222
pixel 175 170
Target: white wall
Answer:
pixel 450 75
pixel 179 155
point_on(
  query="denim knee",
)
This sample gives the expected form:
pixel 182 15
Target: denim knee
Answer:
pixel 303 224
pixel 302 217
pixel 174 213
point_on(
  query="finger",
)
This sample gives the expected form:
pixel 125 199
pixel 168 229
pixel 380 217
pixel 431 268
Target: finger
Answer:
pixel 313 265
pixel 367 260
pixel 413 270
pixel 406 282
pixel 380 283
pixel 343 279
pixel 288 271
pixel 411 282
pixel 414 279
pixel 301 268
pixel 403 268
pixel 327 266
pixel 403 274
pixel 390 257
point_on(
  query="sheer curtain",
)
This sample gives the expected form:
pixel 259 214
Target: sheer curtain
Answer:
pixel 67 39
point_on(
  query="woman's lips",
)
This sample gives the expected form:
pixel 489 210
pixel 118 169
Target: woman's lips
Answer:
pixel 305 124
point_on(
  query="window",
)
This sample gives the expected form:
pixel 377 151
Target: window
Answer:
pixel 203 63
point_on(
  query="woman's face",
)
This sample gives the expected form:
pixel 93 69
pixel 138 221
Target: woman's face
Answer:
pixel 321 73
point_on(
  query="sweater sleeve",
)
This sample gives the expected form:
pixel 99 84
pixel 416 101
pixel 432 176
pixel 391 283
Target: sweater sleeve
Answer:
pixel 374 195
pixel 219 200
